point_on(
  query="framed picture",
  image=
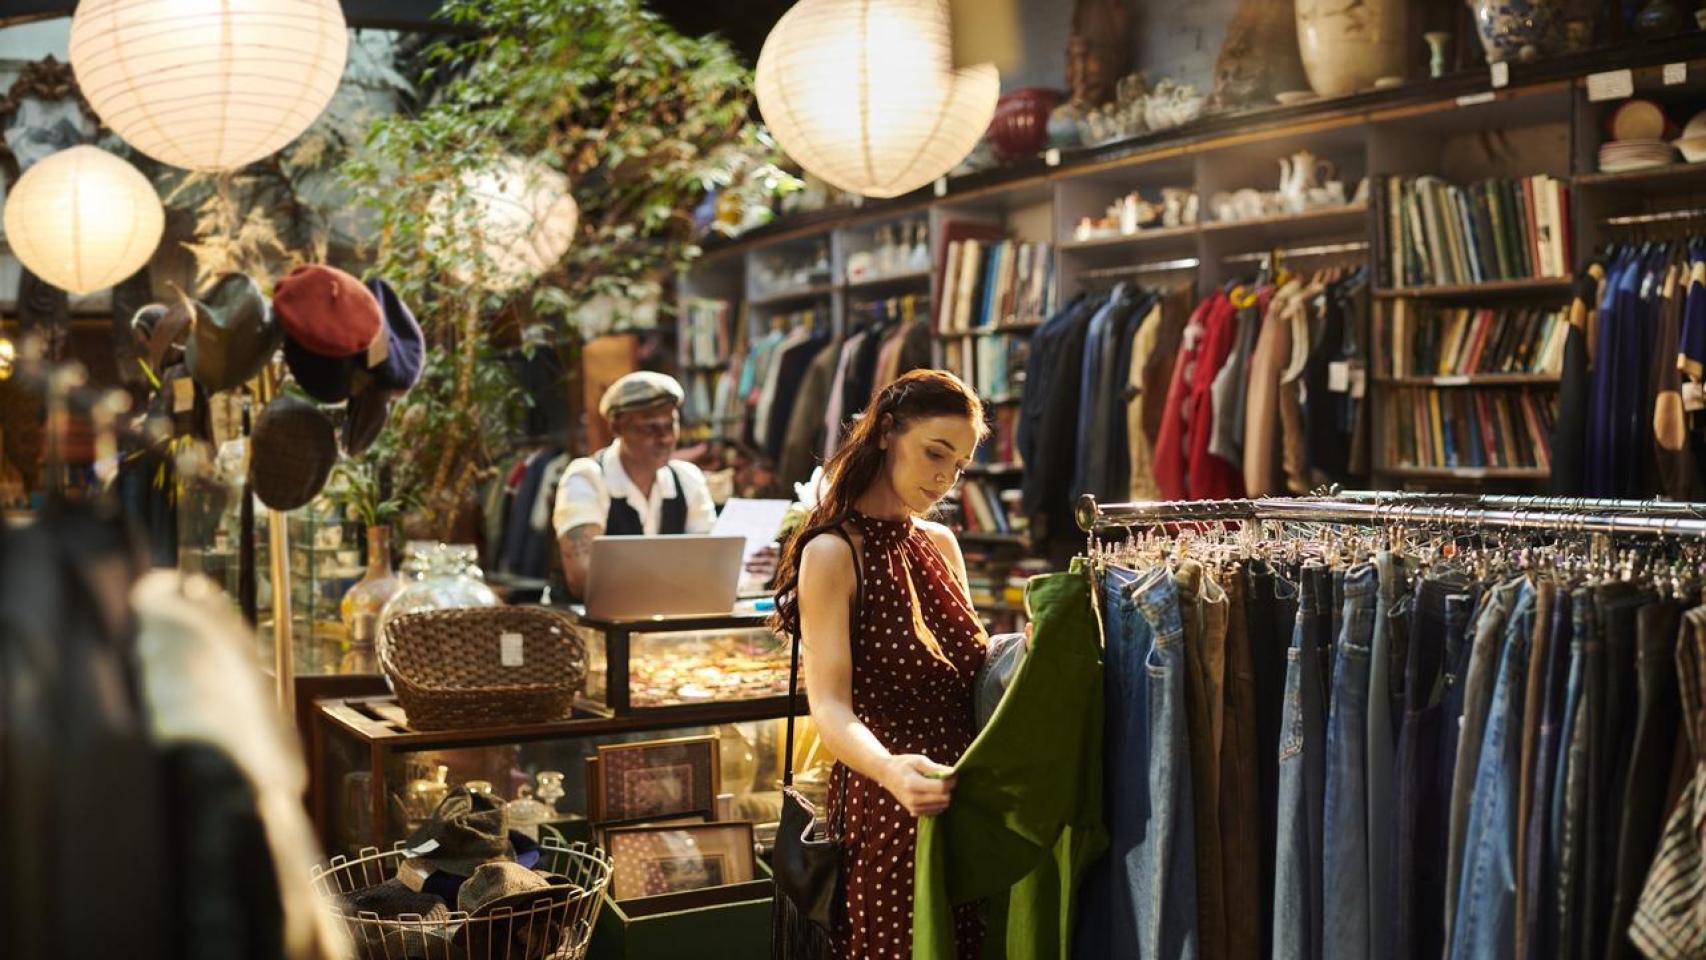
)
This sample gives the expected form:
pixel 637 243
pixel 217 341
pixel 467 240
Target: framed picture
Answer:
pixel 655 860
pixel 658 778
pixel 601 833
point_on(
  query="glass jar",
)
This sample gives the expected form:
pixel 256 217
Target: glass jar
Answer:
pixel 525 813
pixel 437 576
pixel 550 789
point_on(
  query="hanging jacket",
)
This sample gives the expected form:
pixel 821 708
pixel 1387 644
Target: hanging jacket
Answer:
pixel 1026 817
pixel 1209 477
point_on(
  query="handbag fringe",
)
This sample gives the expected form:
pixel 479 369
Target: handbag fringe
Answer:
pixel 793 936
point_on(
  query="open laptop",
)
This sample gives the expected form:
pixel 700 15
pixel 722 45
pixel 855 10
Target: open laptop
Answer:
pixel 639 578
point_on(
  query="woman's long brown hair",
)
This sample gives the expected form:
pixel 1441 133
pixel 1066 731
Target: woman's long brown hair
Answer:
pixel 919 395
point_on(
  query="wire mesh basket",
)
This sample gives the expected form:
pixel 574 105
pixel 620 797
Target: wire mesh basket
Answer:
pixel 547 926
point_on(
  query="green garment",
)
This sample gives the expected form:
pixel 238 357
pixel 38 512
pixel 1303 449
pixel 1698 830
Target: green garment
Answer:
pixel 1026 815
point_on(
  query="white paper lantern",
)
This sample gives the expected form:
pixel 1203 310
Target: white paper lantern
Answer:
pixel 523 215
pixel 863 93
pixel 208 84
pixel 83 220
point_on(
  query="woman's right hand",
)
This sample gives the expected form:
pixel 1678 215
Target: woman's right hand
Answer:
pixel 922 785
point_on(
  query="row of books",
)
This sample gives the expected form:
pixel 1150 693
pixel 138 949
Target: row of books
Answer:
pixel 1423 340
pixel 1001 446
pixel 985 283
pixel 1473 428
pixel 982 509
pixel 1497 229
pixel 706 332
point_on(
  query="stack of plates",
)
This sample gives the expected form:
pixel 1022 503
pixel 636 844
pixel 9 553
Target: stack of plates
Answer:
pixel 1620 156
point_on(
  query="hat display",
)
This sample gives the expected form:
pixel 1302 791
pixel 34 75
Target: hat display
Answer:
pixel 466 830
pixel 234 335
pixel 523 912
pixel 326 311
pixel 326 379
pixel 160 332
pixel 292 453
pixel 641 388
pixel 405 353
pixel 364 418
pixel 181 402
pixel 495 880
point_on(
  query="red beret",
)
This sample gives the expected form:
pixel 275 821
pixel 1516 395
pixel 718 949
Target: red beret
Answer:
pixel 327 311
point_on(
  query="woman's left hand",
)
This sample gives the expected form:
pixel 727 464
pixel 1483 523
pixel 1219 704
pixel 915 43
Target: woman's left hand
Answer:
pixel 762 565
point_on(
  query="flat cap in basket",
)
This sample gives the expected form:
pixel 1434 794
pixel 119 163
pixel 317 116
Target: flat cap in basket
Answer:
pixel 466 831
pixel 291 453
pixel 514 912
pixel 326 311
pixel 642 388
pixel 234 335
pixel 483 665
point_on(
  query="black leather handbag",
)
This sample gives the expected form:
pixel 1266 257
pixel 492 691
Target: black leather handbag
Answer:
pixel 807 857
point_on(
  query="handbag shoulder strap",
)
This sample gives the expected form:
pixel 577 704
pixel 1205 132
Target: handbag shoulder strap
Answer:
pixel 852 645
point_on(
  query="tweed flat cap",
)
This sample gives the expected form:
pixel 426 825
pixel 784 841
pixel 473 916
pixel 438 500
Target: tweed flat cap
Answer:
pixel 641 388
pixel 292 452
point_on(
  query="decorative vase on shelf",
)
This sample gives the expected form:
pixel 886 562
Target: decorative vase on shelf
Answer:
pixel 1020 126
pixel 1520 30
pixel 361 605
pixel 1346 47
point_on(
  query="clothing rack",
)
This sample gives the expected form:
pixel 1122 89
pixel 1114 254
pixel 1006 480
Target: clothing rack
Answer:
pixel 1094 517
pixel 1662 216
pixel 1318 250
pixel 1154 266
pixel 1532 502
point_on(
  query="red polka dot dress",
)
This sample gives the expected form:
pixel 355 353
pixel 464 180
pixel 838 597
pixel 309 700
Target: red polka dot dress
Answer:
pixel 915 699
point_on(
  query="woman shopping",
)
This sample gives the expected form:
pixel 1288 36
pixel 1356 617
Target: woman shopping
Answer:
pixel 891 647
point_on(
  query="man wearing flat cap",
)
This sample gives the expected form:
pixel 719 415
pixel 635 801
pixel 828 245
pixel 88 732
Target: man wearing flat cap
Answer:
pixel 632 487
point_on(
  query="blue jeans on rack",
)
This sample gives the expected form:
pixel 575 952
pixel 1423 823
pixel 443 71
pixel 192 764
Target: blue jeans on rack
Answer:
pixel 1391 636
pixel 1570 784
pixel 1486 915
pixel 1140 900
pixel 1344 834
pixel 1297 871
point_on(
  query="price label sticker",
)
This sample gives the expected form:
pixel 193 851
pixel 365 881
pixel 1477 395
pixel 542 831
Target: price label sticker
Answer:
pixel 1693 396
pixel 1676 73
pixel 183 395
pixel 1501 74
pixel 941 187
pixel 1359 381
pixel 1474 99
pixel 1611 85
pixel 509 649
pixel 1455 381
pixel 378 350
pixel 1052 156
pixel 1339 376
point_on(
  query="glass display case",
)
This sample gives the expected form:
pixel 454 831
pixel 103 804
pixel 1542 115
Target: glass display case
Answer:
pixel 641 666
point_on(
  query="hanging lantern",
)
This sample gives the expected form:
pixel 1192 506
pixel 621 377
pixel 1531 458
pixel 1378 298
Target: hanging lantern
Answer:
pixel 208 84
pixel 523 215
pixel 863 93
pixel 83 220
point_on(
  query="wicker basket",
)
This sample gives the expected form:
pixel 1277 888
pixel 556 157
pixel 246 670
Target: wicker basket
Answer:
pixel 480 666
pixel 558 928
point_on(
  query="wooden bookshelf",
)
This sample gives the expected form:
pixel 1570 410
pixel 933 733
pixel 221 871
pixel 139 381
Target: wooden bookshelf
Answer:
pixel 1497 288
pixel 1138 240
pixel 1691 177
pixel 1344 217
pixel 795 296
pixel 911 278
pixel 1465 473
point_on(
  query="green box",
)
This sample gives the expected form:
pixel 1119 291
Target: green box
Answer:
pixel 731 922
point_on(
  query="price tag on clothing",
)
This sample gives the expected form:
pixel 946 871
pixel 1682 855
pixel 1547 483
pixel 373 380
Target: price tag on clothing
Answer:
pixel 1611 85
pixel 941 188
pixel 1339 376
pixel 1474 99
pixel 1676 73
pixel 1693 396
pixel 378 350
pixel 509 649
pixel 1051 156
pixel 1501 74
pixel 183 395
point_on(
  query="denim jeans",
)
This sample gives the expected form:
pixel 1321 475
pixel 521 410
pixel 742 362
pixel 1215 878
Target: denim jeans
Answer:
pixel 1643 790
pixel 1390 615
pixel 1570 786
pixel 1140 901
pixel 1297 872
pixel 1345 884
pixel 1202 611
pixel 1486 913
pixel 1535 938
pixel 1612 734
pixel 1441 610
pixel 1240 815
pixel 1477 696
pixel 1270 616
pixel 1533 703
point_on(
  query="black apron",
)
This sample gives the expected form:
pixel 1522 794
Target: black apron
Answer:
pixel 624 521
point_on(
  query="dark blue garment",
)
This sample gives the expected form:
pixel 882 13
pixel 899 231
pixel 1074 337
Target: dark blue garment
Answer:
pixel 1039 380
pixel 1538 882
pixel 1297 927
pixel 520 520
pixel 1140 899
pixel 1108 448
pixel 1345 840
pixel 1090 370
pixel 1568 816
pixel 1048 473
pixel 1620 417
pixel 1692 344
pixel 1270 611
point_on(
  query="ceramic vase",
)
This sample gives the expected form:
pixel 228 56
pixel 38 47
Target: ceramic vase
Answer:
pixel 1520 30
pixel 1348 46
pixel 1020 126
pixel 361 605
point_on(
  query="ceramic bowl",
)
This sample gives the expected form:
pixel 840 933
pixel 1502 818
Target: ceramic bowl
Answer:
pixel 1693 148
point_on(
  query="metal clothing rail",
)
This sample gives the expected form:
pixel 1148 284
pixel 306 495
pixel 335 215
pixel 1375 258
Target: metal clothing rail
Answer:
pixel 1662 216
pixel 1526 502
pixel 1322 250
pixel 1155 266
pixel 1093 516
